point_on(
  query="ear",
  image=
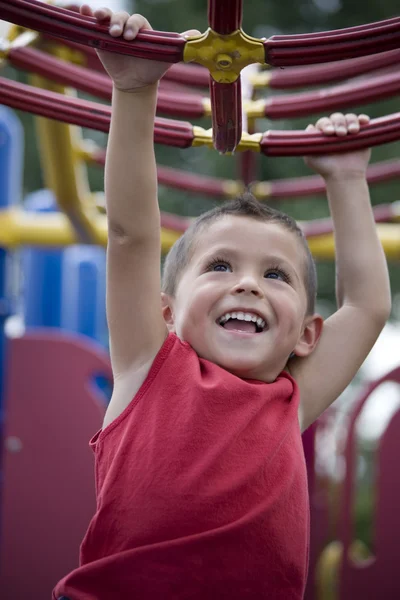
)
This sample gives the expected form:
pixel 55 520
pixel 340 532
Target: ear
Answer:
pixel 167 311
pixel 312 329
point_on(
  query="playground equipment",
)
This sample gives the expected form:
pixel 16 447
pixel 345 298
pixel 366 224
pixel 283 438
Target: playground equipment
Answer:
pixel 61 231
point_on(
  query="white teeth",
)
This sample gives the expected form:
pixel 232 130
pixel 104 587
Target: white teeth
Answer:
pixel 241 316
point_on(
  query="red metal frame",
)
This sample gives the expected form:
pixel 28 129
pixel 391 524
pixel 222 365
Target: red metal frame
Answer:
pixel 297 187
pixel 59 22
pixel 301 143
pixel 329 73
pixel 226 106
pixel 176 104
pixel 225 16
pixel 335 98
pixel 84 113
pixel 329 46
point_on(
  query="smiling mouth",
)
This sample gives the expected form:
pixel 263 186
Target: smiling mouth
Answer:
pixel 242 322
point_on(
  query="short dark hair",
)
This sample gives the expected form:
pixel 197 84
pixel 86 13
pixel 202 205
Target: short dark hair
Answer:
pixel 245 205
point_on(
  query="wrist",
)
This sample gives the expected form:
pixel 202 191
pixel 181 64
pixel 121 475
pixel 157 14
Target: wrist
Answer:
pixel 345 177
pixel 144 89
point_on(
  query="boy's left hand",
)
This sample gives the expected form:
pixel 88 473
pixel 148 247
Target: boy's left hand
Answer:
pixel 345 165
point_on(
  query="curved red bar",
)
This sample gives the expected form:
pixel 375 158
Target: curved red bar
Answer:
pixel 382 214
pixel 329 73
pixel 328 46
pixel 180 180
pixel 297 187
pixel 58 22
pixel 301 143
pixel 226 107
pixel 97 84
pixel 84 113
pixel 335 98
pixel 225 16
pixel 174 222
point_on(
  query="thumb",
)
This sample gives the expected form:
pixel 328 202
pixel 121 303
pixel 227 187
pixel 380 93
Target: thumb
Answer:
pixel 191 33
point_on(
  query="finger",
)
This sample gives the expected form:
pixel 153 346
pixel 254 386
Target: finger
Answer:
pixel 191 33
pixel 102 14
pixel 311 129
pixel 339 123
pixel 352 123
pixel 134 24
pixel 86 10
pixel 363 119
pixel 325 125
pixel 117 23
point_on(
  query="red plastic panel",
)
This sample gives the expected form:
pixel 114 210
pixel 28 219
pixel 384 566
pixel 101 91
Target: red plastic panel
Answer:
pixel 226 106
pixel 376 579
pixel 225 16
pixel 59 22
pixel 48 495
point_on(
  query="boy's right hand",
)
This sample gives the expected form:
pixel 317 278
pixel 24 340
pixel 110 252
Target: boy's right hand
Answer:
pixel 128 73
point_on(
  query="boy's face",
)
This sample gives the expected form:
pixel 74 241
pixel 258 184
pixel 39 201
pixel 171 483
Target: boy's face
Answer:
pixel 241 265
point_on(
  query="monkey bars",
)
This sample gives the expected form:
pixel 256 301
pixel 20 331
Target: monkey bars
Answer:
pixel 225 49
pixel 182 134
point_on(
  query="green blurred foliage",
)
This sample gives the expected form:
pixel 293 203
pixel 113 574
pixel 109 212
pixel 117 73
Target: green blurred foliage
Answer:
pixel 261 19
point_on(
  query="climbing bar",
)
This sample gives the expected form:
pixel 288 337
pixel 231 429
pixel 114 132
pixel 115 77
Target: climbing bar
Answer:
pixel 226 108
pixel 225 16
pixel 324 100
pixel 312 185
pixel 329 46
pixel 301 143
pixel 182 134
pixel 174 178
pixel 382 213
pixel 59 22
pixel 274 189
pixel 187 74
pixel 327 73
pixel 100 85
pixel 84 113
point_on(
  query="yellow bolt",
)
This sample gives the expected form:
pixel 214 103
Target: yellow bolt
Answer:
pixel 224 61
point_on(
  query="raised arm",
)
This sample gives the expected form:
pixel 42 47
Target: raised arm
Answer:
pixel 362 281
pixel 136 325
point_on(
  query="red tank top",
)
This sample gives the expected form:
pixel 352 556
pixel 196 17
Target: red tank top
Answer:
pixel 201 490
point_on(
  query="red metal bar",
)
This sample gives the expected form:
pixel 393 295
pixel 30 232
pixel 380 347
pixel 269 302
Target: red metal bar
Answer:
pixel 58 22
pixel 339 97
pixel 301 143
pixel 174 222
pixel 191 75
pixel 225 16
pixel 382 214
pixel 226 106
pixel 329 73
pixel 83 113
pixel 297 187
pixel 328 46
pixel 180 180
pixel 100 85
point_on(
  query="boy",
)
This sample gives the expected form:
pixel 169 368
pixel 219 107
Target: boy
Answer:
pixel 200 476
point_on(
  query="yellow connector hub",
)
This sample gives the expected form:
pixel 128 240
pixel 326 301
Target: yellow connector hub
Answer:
pixel 224 55
pixel 203 137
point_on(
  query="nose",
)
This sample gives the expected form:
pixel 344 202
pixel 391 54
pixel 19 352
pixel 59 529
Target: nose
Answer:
pixel 247 285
